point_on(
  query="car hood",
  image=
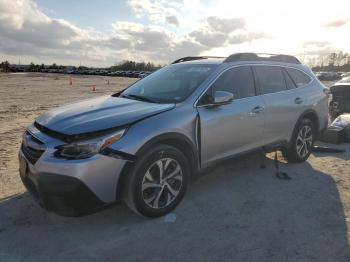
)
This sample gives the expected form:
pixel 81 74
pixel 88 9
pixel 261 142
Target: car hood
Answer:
pixel 98 114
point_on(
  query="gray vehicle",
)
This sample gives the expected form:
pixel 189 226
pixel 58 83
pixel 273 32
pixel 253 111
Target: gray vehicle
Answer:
pixel 144 144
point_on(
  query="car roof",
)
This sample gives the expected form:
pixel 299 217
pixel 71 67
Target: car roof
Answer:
pixel 220 61
pixel 240 57
pixel 206 61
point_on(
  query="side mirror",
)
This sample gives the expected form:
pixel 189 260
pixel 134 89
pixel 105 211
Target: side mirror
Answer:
pixel 222 98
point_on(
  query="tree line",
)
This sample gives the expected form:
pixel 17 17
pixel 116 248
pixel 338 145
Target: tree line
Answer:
pixel 136 66
pixel 122 66
pixel 5 66
pixel 325 62
pixel 337 62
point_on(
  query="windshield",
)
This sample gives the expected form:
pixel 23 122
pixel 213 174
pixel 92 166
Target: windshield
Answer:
pixel 170 84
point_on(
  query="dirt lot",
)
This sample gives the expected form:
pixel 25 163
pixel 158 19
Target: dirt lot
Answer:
pixel 236 212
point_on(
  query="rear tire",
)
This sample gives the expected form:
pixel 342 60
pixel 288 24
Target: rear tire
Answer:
pixel 157 182
pixel 302 142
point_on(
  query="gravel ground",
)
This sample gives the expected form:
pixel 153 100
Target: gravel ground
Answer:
pixel 235 212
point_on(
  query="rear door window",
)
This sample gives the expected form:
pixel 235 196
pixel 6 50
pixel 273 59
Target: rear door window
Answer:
pixel 300 79
pixel 271 79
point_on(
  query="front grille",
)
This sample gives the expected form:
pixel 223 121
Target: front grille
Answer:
pixel 32 148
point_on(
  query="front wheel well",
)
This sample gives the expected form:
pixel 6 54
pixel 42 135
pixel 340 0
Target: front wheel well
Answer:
pixel 185 148
pixel 177 142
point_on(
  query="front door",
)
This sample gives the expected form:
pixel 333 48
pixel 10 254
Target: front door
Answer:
pixel 232 128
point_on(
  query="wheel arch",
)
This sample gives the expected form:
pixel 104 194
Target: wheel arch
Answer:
pixel 179 141
pixel 308 114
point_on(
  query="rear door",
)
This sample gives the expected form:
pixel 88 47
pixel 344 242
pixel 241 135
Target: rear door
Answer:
pixel 282 101
pixel 232 128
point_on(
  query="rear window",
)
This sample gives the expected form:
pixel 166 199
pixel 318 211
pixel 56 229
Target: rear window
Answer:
pixel 289 81
pixel 300 79
pixel 271 79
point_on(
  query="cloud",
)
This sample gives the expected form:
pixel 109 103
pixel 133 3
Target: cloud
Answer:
pixel 157 11
pixel 215 32
pixel 319 51
pixel 21 21
pixel 337 23
pixel 225 25
pixel 209 38
pixel 219 32
pixel 143 38
pixel 26 31
pixel 35 35
pixel 314 48
pixel 247 37
pixel 318 44
pixel 156 43
pixel 162 31
pixel 186 48
pixel 172 20
pixel 112 42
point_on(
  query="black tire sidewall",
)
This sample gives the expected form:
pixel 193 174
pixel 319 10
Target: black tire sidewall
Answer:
pixel 150 157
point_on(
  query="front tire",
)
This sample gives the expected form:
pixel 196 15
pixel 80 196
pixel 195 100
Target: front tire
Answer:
pixel 302 142
pixel 157 182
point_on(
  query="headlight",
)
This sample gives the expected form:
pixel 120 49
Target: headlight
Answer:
pixel 86 149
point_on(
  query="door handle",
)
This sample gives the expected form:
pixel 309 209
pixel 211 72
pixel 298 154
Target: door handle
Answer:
pixel 298 100
pixel 257 110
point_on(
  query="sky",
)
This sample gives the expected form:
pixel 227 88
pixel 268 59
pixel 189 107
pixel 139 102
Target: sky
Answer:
pixel 105 32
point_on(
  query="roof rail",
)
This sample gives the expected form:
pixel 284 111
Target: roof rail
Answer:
pixel 262 57
pixel 192 58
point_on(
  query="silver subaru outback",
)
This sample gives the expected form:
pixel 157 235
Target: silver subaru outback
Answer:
pixel 144 144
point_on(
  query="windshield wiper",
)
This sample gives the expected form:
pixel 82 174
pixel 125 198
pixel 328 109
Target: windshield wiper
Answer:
pixel 141 98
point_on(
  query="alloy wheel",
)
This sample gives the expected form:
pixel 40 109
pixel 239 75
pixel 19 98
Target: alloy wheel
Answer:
pixel 304 141
pixel 162 183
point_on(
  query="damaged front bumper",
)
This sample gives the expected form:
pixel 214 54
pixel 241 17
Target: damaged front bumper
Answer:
pixel 68 187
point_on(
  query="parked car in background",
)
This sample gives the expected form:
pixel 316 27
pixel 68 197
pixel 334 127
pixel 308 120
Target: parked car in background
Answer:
pixel 144 74
pixel 135 74
pixel 112 73
pixel 328 76
pixel 346 74
pixel 129 73
pixel 340 98
pixel 144 144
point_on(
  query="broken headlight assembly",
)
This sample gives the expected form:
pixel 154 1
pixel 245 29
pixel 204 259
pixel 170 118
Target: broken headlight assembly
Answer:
pixel 87 148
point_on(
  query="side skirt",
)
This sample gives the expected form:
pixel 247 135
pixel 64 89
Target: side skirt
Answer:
pixel 267 149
